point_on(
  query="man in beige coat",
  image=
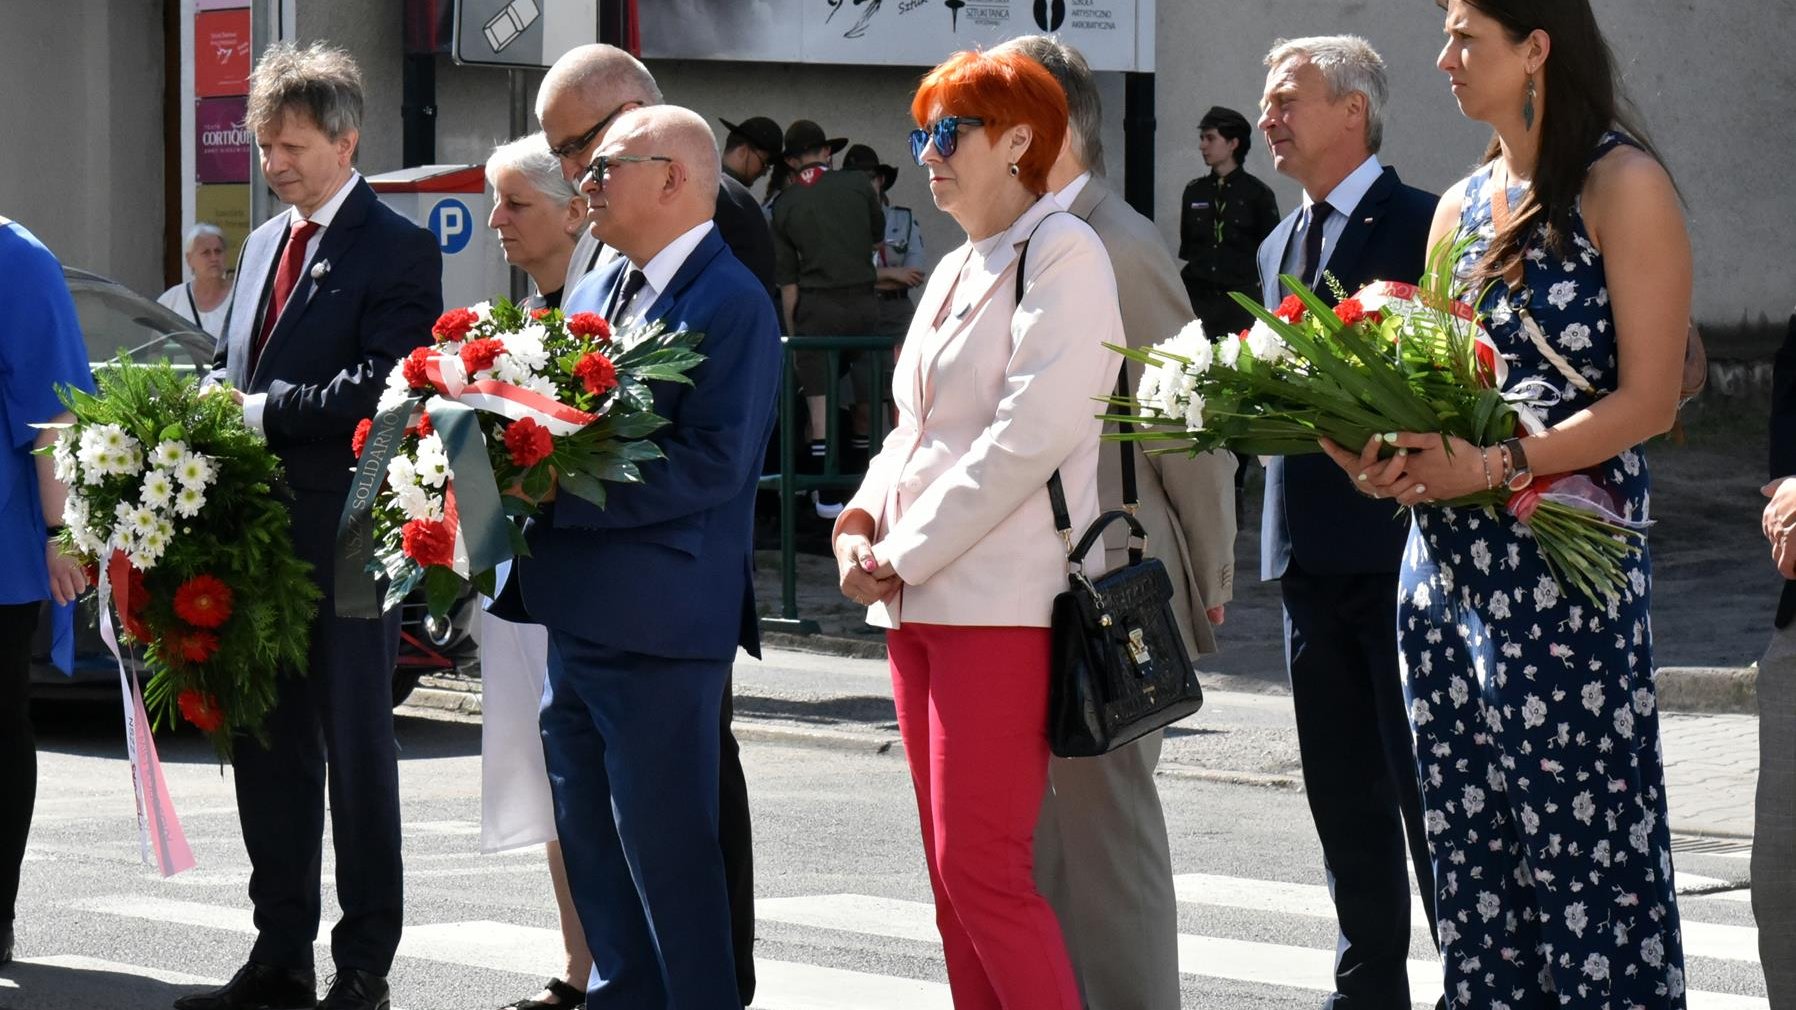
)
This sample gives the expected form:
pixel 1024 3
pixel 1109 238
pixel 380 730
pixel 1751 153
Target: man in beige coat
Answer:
pixel 1102 857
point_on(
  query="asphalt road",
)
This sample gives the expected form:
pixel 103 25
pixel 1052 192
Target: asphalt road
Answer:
pixel 844 919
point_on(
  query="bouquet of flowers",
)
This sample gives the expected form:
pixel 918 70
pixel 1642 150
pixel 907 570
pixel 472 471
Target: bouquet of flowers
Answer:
pixel 1394 357
pixel 171 505
pixel 475 428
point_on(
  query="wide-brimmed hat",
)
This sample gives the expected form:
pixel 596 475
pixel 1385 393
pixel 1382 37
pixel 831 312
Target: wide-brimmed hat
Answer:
pixel 804 135
pixel 862 158
pixel 762 133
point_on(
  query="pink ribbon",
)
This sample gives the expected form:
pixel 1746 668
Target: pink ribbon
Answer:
pixel 1574 491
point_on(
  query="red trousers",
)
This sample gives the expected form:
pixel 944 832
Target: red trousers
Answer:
pixel 973 711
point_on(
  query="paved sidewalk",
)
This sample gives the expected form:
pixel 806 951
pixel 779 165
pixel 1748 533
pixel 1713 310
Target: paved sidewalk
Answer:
pixel 1711 772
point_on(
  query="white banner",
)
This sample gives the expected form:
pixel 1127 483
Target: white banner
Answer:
pixel 1113 34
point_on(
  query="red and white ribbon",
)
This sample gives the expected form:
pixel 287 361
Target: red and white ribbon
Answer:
pixel 450 378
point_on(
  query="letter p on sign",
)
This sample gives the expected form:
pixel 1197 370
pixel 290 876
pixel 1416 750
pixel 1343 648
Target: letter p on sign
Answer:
pixel 452 224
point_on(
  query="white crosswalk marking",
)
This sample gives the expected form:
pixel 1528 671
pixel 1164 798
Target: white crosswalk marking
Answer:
pixel 1701 939
pixel 504 947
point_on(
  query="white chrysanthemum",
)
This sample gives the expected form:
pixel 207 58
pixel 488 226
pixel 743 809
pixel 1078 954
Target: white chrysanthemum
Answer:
pixel 390 398
pixel 1202 353
pixel 483 311
pixel 432 461
pixel 542 385
pixel 511 369
pixel 195 470
pixel 1228 352
pixel 63 456
pixel 1147 392
pixel 526 346
pixel 418 503
pixel 169 453
pixel 1264 343
pixel 1194 414
pixel 140 521
pixel 158 488
pixel 189 500
pixel 401 472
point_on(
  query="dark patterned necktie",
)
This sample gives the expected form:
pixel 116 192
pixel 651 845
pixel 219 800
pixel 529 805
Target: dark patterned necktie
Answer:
pixel 1313 233
pixel 634 279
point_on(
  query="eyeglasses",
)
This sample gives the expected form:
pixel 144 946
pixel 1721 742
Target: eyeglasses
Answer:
pixel 601 166
pixel 945 133
pixel 580 143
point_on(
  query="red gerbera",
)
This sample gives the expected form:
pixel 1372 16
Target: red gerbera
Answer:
pixel 454 325
pixel 203 601
pixel 1350 311
pixel 137 600
pixel 201 709
pixel 415 376
pixel 479 355
pixel 528 442
pixel 428 542
pixel 360 438
pixel 1291 309
pixel 198 646
pixel 597 372
pixel 590 325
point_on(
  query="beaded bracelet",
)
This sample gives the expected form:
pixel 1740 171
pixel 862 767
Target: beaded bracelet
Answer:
pixel 1484 459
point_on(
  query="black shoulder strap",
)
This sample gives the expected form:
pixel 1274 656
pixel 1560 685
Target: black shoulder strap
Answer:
pixel 193 305
pixel 1063 518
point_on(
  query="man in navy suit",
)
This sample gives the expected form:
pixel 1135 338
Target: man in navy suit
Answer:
pixel 639 656
pixel 1774 817
pixel 329 295
pixel 1334 551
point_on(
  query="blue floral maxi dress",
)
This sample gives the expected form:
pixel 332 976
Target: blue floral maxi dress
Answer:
pixel 1537 735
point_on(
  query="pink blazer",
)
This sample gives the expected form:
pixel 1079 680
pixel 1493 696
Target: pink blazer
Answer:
pixel 990 403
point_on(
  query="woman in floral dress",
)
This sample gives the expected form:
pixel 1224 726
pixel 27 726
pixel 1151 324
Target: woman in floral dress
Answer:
pixel 1536 731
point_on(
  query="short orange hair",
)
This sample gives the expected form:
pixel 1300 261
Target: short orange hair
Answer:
pixel 1004 88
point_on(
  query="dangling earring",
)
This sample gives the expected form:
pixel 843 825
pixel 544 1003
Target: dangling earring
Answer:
pixel 1528 106
pixel 1014 172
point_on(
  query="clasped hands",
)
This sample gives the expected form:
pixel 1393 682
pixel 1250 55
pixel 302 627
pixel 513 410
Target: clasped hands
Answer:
pixel 864 578
pixel 1420 470
pixel 1778 523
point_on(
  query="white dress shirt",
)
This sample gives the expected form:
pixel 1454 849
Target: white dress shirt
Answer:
pixel 255 403
pixel 1071 191
pixel 659 272
pixel 1344 199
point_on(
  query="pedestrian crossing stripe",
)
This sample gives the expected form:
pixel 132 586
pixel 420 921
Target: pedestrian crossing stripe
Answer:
pixel 512 948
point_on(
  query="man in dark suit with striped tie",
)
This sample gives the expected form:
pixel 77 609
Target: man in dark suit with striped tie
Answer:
pixel 1334 551
pixel 1774 825
pixel 330 294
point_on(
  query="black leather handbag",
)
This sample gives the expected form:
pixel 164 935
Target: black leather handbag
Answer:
pixel 1117 668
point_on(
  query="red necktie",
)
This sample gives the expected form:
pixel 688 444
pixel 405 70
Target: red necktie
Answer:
pixel 286 278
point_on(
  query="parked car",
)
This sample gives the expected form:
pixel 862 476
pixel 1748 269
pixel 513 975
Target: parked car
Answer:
pixel 114 318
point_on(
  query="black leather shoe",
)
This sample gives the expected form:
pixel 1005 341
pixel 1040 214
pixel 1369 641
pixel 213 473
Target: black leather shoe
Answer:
pixel 259 987
pixel 357 990
pixel 6 944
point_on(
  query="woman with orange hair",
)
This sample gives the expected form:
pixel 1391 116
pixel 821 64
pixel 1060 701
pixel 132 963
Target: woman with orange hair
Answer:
pixel 951 540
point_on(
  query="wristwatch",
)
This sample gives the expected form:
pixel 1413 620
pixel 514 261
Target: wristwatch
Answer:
pixel 1520 474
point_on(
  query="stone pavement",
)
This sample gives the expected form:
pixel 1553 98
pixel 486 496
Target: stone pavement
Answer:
pixel 1711 772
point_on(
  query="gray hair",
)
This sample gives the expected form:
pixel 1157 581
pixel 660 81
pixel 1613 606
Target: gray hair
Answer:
pixel 319 81
pixel 200 231
pixel 596 73
pixel 530 158
pixel 1085 110
pixel 1350 64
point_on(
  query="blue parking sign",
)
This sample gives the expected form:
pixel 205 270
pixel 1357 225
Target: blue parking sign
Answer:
pixel 452 224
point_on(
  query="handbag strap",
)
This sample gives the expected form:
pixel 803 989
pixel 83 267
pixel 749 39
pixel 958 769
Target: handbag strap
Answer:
pixel 1063 519
pixel 1513 278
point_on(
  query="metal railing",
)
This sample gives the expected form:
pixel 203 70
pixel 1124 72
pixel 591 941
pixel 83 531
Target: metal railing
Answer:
pixel 789 482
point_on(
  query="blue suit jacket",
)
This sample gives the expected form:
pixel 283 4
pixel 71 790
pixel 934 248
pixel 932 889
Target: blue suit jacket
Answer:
pixel 666 567
pixel 1313 515
pixel 337 338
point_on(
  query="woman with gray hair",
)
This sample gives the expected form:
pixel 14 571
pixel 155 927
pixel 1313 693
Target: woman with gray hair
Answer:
pixel 537 215
pixel 205 300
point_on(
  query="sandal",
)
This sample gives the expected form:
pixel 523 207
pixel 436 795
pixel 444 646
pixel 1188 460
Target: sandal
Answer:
pixel 566 998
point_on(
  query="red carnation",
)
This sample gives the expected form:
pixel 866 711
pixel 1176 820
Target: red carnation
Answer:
pixel 479 355
pixel 360 438
pixel 1350 312
pixel 425 428
pixel 198 646
pixel 589 324
pixel 203 601
pixel 597 371
pixel 539 314
pixel 528 442
pixel 1291 309
pixel 1242 336
pixel 201 709
pixel 454 325
pixel 428 542
pixel 415 376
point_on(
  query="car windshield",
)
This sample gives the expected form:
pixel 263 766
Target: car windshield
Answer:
pixel 115 318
